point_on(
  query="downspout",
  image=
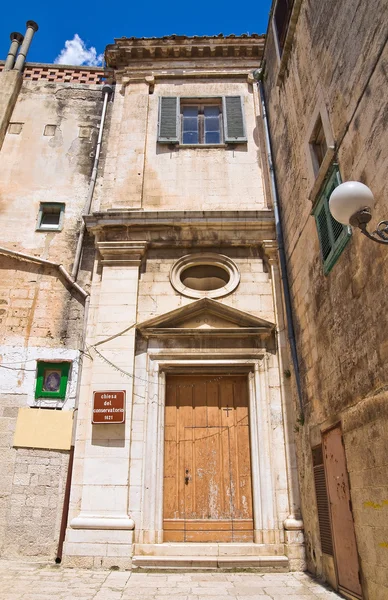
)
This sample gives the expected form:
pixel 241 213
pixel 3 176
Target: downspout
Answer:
pixel 280 240
pixel 107 91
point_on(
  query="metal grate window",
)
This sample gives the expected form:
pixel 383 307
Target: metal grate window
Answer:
pixel 322 502
pixel 333 236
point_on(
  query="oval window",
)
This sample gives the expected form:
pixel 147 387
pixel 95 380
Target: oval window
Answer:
pixel 205 278
pixel 204 275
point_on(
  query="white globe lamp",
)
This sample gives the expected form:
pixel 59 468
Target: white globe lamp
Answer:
pixel 348 199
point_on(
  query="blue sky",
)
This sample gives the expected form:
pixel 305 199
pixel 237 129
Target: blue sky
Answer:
pixel 98 23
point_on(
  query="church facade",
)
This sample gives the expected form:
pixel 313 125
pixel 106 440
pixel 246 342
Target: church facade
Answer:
pixel 181 450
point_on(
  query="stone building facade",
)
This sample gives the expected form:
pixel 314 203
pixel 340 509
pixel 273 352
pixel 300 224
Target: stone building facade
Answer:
pixel 325 82
pixel 177 305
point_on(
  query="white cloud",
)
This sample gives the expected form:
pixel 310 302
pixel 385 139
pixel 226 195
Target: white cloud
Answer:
pixel 75 52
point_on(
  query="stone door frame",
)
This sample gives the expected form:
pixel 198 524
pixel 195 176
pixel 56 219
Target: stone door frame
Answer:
pixel 263 495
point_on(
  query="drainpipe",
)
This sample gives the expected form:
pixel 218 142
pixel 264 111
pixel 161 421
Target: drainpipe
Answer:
pixel 107 91
pixel 32 27
pixel 280 240
pixel 16 40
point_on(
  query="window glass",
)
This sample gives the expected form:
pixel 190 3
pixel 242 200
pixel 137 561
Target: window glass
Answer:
pixel 212 125
pixel 190 129
pixel 201 123
pixel 51 380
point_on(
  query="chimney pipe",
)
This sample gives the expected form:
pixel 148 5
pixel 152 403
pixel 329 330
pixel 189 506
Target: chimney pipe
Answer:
pixel 32 27
pixel 16 40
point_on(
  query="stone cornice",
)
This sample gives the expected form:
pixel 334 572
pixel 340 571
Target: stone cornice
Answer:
pixel 205 229
pixel 127 51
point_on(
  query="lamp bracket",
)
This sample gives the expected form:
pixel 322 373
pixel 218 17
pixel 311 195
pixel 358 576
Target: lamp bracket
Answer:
pixel 361 219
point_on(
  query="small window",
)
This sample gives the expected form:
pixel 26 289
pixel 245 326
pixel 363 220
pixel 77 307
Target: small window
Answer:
pixel 15 128
pixel 51 381
pixel 333 236
pixel 204 275
pixel 318 145
pixel 50 217
pixel 49 130
pixel 282 16
pixel 201 121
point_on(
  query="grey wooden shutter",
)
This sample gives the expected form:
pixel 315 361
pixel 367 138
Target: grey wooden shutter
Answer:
pixel 234 123
pixel 322 502
pixel 168 120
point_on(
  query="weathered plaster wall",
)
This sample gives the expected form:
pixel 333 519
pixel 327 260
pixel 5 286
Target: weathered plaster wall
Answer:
pixel 39 317
pixel 140 173
pixel 338 58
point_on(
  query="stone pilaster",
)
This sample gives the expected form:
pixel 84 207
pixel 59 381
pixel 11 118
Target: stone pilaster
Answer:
pixel 100 525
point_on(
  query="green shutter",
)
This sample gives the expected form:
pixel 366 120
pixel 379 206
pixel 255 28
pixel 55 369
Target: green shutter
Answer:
pixel 234 125
pixel 168 120
pixel 333 236
pixel 323 231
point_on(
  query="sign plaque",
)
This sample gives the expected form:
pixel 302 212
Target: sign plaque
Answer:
pixel 108 407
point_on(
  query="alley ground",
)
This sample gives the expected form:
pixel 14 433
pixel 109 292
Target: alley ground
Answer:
pixel 26 581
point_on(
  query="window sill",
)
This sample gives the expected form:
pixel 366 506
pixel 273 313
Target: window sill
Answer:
pixel 203 145
pixel 48 229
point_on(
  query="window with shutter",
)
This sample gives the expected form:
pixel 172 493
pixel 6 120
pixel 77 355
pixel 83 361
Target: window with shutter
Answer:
pixel 168 120
pixel 201 121
pixel 322 502
pixel 333 236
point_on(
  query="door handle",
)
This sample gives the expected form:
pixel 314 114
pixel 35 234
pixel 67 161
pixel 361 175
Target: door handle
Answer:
pixel 187 477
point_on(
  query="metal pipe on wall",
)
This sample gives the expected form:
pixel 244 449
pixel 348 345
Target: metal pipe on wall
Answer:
pixel 32 27
pixel 280 241
pixel 107 91
pixel 16 39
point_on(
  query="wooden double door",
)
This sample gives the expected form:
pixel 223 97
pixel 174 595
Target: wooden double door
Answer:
pixel 207 464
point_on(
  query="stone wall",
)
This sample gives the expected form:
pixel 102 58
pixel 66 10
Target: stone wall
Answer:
pixel 31 493
pixel 338 60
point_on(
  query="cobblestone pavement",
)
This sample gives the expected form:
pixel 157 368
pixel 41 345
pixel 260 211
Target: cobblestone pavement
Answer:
pixel 28 581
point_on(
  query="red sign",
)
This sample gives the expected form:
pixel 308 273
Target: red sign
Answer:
pixel 108 407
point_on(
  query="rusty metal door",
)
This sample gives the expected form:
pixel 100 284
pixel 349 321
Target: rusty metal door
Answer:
pixel 207 470
pixel 341 512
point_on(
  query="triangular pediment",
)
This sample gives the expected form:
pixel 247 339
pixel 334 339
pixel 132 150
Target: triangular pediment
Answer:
pixel 206 316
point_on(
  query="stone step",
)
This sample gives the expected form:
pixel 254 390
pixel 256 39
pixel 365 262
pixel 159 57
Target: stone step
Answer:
pixel 209 549
pixel 262 563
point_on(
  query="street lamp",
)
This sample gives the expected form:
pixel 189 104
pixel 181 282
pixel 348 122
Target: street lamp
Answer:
pixel 351 204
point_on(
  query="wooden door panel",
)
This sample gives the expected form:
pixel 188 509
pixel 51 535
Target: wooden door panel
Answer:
pixel 207 473
pixel 341 514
